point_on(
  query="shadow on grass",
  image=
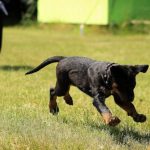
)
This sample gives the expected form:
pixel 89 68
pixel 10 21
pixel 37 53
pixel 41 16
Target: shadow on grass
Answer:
pixel 122 135
pixel 15 68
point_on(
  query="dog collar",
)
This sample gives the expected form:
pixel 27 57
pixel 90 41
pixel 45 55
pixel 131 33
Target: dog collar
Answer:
pixel 107 75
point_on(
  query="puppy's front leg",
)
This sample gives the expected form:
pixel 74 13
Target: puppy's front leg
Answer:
pixel 130 109
pixel 99 103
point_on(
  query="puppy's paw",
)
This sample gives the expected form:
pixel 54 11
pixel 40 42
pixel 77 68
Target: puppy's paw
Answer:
pixel 68 100
pixel 54 111
pixel 139 118
pixel 114 121
pixel 110 120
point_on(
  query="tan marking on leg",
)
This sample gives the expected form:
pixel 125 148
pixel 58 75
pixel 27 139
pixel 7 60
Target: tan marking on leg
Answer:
pixel 52 103
pixel 110 120
pixel 107 117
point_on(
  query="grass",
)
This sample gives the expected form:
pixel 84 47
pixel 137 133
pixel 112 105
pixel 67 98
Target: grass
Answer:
pixel 25 122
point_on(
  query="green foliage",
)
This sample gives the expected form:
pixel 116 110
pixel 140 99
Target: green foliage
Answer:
pixel 29 10
pixel 130 28
pixel 25 122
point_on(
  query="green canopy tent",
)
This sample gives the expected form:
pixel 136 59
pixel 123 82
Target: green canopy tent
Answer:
pixel 126 11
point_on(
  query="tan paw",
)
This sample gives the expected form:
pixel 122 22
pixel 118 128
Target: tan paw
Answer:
pixel 110 120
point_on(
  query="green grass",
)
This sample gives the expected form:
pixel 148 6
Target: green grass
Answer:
pixel 25 122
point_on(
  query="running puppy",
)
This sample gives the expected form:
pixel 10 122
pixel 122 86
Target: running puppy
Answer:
pixel 97 79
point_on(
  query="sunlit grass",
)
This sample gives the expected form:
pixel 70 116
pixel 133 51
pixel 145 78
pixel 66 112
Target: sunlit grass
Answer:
pixel 25 122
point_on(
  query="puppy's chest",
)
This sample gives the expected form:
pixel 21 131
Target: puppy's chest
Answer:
pixel 107 93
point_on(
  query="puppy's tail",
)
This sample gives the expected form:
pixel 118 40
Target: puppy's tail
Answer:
pixel 45 63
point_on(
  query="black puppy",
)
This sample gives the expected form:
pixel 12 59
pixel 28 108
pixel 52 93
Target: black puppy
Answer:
pixel 98 80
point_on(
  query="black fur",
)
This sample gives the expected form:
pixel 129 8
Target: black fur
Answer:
pixel 98 80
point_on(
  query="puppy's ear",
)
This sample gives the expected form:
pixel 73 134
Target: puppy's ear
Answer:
pixel 139 68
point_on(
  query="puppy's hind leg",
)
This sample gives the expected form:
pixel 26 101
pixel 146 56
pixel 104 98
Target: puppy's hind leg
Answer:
pixel 68 99
pixel 60 90
pixel 53 107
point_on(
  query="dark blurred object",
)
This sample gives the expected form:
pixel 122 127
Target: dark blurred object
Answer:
pixel 14 10
pixel 3 12
pixel 20 11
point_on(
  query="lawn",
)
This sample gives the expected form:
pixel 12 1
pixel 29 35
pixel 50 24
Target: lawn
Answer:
pixel 25 122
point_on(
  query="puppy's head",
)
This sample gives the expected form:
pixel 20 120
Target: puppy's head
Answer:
pixel 124 80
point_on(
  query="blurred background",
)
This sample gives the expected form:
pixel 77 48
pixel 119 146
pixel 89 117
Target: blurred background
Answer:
pixel 97 12
pixel 20 10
